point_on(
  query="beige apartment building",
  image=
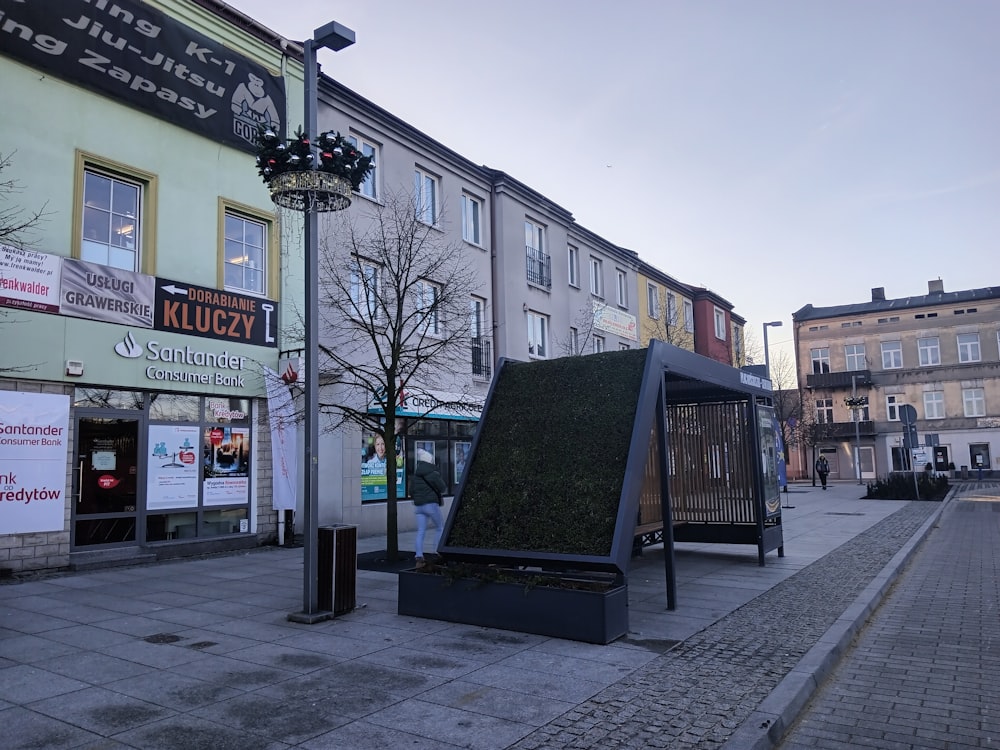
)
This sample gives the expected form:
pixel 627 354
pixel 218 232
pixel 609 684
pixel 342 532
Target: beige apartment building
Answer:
pixel 938 353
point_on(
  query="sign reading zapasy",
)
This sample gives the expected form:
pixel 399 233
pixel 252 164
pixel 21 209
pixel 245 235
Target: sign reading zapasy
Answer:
pixel 141 56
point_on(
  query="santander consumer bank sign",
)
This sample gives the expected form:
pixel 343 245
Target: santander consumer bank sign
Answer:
pixel 34 440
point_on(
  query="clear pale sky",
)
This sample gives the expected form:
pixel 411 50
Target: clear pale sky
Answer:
pixel 778 152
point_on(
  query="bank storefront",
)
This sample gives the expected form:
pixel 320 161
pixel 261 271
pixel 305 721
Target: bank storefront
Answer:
pixel 134 439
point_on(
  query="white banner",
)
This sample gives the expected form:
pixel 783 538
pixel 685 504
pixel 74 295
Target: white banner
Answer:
pixel 172 478
pixel 34 436
pixel 29 280
pixel 284 441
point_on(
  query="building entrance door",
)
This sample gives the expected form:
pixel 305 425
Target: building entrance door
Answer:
pixel 866 460
pixel 105 480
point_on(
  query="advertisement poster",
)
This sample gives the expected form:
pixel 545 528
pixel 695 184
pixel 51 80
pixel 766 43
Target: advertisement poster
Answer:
pixel 461 456
pixel 29 280
pixel 34 430
pixel 284 441
pixel 172 479
pixel 226 456
pixel 373 481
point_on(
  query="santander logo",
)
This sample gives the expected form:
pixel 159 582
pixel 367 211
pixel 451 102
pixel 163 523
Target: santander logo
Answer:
pixel 290 375
pixel 128 348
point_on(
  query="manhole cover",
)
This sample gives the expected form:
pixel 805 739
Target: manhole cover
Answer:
pixel 162 638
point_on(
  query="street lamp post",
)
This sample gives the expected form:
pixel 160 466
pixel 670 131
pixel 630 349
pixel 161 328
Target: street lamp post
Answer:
pixel 767 357
pixel 336 37
pixel 856 404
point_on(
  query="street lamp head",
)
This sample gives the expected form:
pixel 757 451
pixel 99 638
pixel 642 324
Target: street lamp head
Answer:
pixel 333 36
pixel 774 324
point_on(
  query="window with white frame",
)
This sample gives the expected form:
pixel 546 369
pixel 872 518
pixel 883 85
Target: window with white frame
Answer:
pixel 111 220
pixel 621 279
pixel 429 307
pixel 596 277
pixel 573 263
pixel 245 254
pixel 671 309
pixel 364 290
pixel 425 196
pixel 855 356
pixel 538 334
pixel 369 187
pixel 974 402
pixel 720 324
pixel 653 301
pixel 929 351
pixel 968 347
pixel 892 355
pixel 472 217
pixel 933 405
pixel 820 359
pixel 538 262
pixel 477 318
pixel 892 404
pixel 482 355
pixel 688 316
pixel 598 344
pixel 574 341
pixel 623 347
pixel 824 410
pixel 860 414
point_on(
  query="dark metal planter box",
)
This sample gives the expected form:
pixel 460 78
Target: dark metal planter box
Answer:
pixel 589 616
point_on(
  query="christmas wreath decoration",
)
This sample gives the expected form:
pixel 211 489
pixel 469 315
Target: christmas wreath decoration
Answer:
pixel 337 156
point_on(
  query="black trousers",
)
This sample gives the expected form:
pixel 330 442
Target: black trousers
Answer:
pixel 822 479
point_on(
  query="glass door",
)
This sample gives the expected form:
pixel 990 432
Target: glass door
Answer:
pixel 105 479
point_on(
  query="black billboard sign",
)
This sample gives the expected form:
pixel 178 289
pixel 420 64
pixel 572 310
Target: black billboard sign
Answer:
pixel 144 58
pixel 215 314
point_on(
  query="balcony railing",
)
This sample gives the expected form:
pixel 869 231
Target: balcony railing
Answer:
pixel 539 267
pixel 839 379
pixel 482 358
pixel 834 430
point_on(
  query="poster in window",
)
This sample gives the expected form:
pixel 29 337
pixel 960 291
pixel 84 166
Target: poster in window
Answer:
pixel 461 456
pixel 172 478
pixel 373 465
pixel 226 464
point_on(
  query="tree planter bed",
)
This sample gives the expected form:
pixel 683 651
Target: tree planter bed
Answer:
pixel 592 616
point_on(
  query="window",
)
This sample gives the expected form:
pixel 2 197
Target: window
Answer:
pixel 538 335
pixel 369 187
pixel 598 344
pixel 892 355
pixel 824 410
pixel 111 220
pixel 364 290
pixel 933 405
pixel 425 194
pixel 245 257
pixel 820 360
pixel 623 347
pixel 720 324
pixel 688 316
pixel 974 402
pixel 472 212
pixel 855 355
pixel 622 292
pixel 428 307
pixel 892 404
pixel 574 341
pixel 653 301
pixel 573 260
pixel 477 318
pixel 929 350
pixel 482 355
pixel 968 347
pixel 596 277
pixel 671 309
pixel 539 264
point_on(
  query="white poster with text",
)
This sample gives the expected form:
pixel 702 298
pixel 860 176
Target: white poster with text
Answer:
pixel 172 479
pixel 34 435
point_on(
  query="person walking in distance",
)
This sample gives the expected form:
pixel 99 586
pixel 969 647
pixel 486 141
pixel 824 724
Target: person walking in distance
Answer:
pixel 822 468
pixel 428 496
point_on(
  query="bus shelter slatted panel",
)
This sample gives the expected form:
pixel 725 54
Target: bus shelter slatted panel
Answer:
pixel 650 508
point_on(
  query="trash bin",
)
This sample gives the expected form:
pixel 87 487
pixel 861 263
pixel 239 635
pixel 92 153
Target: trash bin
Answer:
pixel 337 568
pixel 965 472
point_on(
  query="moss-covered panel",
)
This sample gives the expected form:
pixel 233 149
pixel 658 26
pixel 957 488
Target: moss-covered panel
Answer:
pixel 549 466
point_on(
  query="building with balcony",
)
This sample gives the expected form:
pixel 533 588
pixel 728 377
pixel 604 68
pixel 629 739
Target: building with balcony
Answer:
pixel 866 365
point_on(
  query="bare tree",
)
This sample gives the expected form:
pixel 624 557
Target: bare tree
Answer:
pixel 394 309
pixel 668 326
pixel 581 333
pixel 16 223
pixel 787 398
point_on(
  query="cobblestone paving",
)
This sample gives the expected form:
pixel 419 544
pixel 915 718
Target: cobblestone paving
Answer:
pixel 695 695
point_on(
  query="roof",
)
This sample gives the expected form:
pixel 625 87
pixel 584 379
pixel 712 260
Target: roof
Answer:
pixel 933 299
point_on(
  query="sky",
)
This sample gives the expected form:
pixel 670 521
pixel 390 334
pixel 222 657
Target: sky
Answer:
pixel 778 152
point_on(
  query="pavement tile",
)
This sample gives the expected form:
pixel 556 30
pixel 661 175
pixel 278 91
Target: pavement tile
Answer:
pixel 25 729
pixel 26 649
pixel 362 735
pixel 94 668
pixel 173 691
pixel 25 683
pixel 291 722
pixel 99 710
pixel 186 732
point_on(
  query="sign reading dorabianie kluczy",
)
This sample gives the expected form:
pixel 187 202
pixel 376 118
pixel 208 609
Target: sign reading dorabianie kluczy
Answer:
pixel 144 58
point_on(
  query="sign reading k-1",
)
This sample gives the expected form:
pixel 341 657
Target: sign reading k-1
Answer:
pixel 141 56
pixel 215 314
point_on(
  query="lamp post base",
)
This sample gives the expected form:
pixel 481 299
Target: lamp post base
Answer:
pixel 306 618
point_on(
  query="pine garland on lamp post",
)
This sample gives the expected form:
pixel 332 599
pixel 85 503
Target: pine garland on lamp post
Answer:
pixel 337 157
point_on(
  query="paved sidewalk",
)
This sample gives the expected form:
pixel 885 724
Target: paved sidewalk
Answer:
pixel 199 653
pixel 923 672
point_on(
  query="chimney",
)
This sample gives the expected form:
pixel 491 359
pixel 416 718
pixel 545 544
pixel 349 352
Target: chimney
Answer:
pixel 935 286
pixel 878 294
